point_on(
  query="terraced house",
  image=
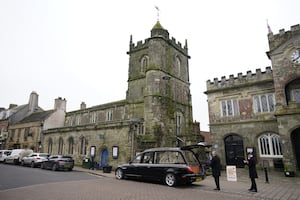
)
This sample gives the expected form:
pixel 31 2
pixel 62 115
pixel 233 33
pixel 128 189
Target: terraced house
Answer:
pixel 260 111
pixel 157 110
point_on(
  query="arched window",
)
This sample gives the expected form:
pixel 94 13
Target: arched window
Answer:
pixel 60 146
pixel 270 145
pixel 71 145
pixel 50 144
pixel 83 145
pixel 144 63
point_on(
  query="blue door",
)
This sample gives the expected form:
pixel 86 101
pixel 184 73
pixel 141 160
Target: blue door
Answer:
pixel 104 155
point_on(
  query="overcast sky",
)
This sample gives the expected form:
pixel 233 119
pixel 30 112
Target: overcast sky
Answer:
pixel 77 49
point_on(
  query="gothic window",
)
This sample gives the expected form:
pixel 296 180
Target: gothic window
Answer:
pixel 60 146
pixel 270 145
pixel 144 63
pixel 230 107
pixel 83 145
pixel 71 145
pixel 50 143
pixel 264 103
pixel 178 65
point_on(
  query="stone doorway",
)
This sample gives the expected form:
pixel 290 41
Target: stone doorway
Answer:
pixel 234 149
pixel 295 137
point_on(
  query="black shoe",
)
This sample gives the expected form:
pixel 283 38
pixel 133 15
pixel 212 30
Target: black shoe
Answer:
pixel 217 189
pixel 253 190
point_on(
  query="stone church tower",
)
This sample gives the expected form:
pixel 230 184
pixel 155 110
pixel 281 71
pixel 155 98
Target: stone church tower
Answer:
pixel 159 90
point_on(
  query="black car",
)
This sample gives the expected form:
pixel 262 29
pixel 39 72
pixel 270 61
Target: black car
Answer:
pixel 58 162
pixel 172 166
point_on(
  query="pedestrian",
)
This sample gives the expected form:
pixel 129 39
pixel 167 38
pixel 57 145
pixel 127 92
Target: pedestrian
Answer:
pixel 216 169
pixel 252 171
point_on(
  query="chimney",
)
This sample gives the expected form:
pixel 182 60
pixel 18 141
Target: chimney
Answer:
pixel 60 104
pixel 82 106
pixel 12 106
pixel 33 102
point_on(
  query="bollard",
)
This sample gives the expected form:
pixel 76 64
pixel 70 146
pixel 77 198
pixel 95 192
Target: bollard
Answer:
pixel 266 174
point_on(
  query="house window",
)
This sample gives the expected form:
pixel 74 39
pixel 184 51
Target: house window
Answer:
pixel 264 103
pixel 270 145
pixel 60 146
pixel 71 146
pixel 93 117
pixel 78 119
pixel 230 107
pixel 296 95
pixel 109 115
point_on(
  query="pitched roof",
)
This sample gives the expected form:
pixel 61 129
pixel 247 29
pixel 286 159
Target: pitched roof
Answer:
pixel 37 116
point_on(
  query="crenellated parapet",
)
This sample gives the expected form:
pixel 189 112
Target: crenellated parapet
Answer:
pixel 283 36
pixel 240 80
pixel 158 32
pixel 144 44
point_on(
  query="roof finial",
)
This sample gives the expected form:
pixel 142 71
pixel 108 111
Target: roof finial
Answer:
pixel 157 13
pixel 269 28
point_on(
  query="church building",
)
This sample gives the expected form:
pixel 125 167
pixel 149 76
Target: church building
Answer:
pixel 157 111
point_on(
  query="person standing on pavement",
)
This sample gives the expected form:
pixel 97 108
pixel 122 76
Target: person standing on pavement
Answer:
pixel 251 162
pixel 216 169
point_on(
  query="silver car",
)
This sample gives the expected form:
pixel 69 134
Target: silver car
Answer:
pixel 34 159
pixel 16 156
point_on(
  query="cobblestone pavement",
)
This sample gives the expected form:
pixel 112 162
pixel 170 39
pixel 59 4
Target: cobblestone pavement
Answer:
pixel 279 187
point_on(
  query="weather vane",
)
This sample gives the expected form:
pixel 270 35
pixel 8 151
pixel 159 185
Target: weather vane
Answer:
pixel 157 13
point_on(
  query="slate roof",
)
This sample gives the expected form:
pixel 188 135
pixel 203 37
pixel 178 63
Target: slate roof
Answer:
pixel 37 116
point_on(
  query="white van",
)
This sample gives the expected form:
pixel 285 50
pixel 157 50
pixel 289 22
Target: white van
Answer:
pixel 16 156
pixel 3 154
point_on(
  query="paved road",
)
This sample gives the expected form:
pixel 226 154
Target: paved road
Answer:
pixel 105 186
pixel 12 176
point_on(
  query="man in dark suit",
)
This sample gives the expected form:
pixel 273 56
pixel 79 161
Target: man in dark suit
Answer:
pixel 251 162
pixel 216 169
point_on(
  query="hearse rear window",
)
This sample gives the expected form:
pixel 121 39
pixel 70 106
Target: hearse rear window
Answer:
pixel 169 157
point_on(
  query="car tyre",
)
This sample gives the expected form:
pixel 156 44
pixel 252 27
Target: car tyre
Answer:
pixel 54 167
pixel 119 174
pixel 170 179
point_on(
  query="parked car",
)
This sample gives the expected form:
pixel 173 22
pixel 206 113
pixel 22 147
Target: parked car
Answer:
pixel 58 162
pixel 4 154
pixel 172 166
pixel 16 156
pixel 34 159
